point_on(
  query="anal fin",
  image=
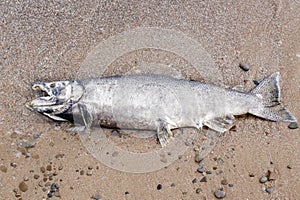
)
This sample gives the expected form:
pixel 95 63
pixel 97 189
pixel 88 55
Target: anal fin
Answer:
pixel 220 124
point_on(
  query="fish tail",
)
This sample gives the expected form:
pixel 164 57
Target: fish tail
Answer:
pixel 269 92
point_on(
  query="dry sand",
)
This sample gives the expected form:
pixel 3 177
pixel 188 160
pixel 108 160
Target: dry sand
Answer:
pixel 45 41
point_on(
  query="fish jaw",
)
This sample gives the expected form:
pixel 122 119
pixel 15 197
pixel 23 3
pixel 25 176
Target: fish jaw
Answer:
pixel 59 97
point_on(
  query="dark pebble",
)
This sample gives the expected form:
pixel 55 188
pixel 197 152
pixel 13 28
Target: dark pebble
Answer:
pixel 244 66
pixel 220 194
pixel 256 82
pixel 173 185
pixel 50 195
pixel 230 185
pixel 36 136
pixel 208 172
pixel 251 175
pixel 204 179
pixel 159 187
pixel 200 170
pixel 198 190
pixel 293 125
pixel 23 186
pixel 43 169
pixel 194 181
pixel 126 192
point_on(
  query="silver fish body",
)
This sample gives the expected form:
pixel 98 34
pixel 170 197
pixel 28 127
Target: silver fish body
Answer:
pixel 156 102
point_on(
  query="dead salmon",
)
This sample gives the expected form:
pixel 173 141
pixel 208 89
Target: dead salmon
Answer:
pixel 156 102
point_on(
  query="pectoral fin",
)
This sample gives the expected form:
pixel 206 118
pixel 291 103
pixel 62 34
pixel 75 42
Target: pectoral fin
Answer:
pixel 220 124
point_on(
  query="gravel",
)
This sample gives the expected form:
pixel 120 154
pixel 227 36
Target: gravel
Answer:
pixel 244 66
pixel 200 170
pixel 220 194
pixel 293 125
pixel 263 179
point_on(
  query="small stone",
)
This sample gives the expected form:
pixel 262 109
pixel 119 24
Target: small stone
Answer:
pixel 198 157
pixel 36 136
pixel 59 156
pixel 200 170
pixel 208 172
pixel 198 190
pixel 220 194
pixel 230 185
pixel 126 193
pixel 204 179
pixel 3 169
pixel 50 195
pixel 263 179
pixel 23 186
pixel 289 167
pixel 81 172
pixel 43 169
pixel 89 173
pixel 159 187
pixel 60 167
pixel 26 178
pixel 41 184
pixel 256 82
pixel 244 66
pixel 14 165
pixel 47 184
pixel 251 175
pixel 194 181
pixel 23 143
pixel 263 189
pixel 173 184
pixel 57 194
pixel 49 167
pixel 269 190
pixel 36 176
pixel 224 182
pixel 97 197
pixel 293 125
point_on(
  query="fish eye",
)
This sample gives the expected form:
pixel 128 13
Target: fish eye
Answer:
pixel 52 85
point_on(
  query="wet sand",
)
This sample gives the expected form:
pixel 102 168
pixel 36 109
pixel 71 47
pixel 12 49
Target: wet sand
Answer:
pixel 49 41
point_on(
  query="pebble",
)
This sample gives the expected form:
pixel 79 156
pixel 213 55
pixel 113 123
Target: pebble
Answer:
pixel 198 190
pixel 159 187
pixel 57 194
pixel 25 143
pixel 89 173
pixel 36 176
pixel 263 179
pixel 97 197
pixel 269 190
pixel 14 165
pixel 220 194
pixel 200 170
pixel 224 182
pixel 251 175
pixel 194 181
pixel 49 167
pixel 198 157
pixel 43 169
pixel 126 193
pixel 204 179
pixel 230 185
pixel 244 66
pixel 36 136
pixel 3 168
pixel 173 184
pixel 41 184
pixel 293 125
pixel 23 186
pixel 208 172
pixel 256 82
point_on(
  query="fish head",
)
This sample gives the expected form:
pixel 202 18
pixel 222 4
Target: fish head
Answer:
pixel 59 97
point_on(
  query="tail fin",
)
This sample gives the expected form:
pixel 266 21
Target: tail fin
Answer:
pixel 269 91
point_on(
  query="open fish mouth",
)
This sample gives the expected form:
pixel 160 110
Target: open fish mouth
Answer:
pixel 59 96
